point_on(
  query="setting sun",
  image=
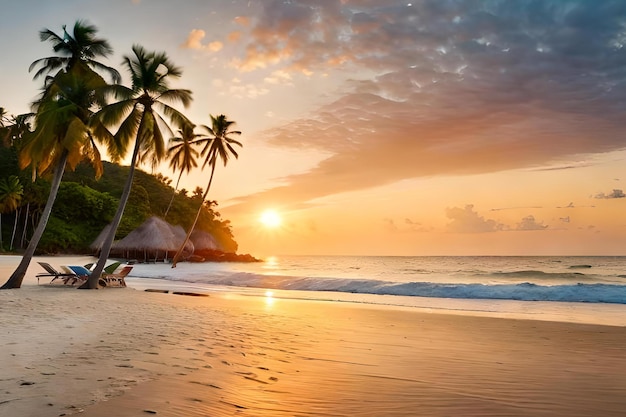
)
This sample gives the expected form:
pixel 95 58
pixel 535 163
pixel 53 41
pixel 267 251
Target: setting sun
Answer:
pixel 270 219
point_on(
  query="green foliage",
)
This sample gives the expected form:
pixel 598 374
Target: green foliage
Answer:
pixel 78 216
pixel 63 237
pixel 84 206
pixel 77 203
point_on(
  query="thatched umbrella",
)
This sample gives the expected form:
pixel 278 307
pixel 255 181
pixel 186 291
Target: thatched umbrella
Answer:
pixel 153 238
pixel 203 240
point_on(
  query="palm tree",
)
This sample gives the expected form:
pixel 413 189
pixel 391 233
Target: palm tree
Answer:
pixel 64 129
pixel 82 46
pixel 13 127
pixel 182 155
pixel 11 192
pixel 5 124
pixel 218 145
pixel 4 117
pixel 138 120
pixel 65 134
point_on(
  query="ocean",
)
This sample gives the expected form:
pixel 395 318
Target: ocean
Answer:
pixel 588 289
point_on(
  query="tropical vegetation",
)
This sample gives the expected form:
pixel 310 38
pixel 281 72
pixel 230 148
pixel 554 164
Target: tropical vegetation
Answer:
pixel 76 112
pixel 65 131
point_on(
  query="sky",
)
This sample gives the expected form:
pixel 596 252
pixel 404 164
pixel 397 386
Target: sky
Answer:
pixel 383 127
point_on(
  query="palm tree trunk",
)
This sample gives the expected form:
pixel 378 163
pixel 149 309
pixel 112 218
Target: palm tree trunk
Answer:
pixel 25 225
pixel 14 229
pixel 15 280
pixel 92 281
pixel 173 195
pixel 182 247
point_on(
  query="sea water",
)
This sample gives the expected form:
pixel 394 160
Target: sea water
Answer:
pixel 585 289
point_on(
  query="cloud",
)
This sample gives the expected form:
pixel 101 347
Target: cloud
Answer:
pixel 390 225
pixel 614 194
pixel 444 87
pixel 529 223
pixel 247 90
pixel 466 220
pixel 279 77
pixel 242 20
pixel 408 226
pixel 214 46
pixel 234 36
pixel 194 41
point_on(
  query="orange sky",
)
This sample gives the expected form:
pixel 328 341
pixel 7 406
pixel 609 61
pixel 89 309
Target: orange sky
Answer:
pixel 384 127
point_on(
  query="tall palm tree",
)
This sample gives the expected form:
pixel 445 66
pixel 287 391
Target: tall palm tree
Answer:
pixel 65 134
pixel 11 192
pixel 64 129
pixel 81 46
pixel 182 155
pixel 218 145
pixel 136 114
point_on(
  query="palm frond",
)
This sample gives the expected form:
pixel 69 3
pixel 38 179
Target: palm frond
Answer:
pixel 116 77
pixel 128 130
pixel 182 96
pixel 113 114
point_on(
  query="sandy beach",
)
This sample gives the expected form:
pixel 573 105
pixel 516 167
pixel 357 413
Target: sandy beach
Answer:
pixel 127 352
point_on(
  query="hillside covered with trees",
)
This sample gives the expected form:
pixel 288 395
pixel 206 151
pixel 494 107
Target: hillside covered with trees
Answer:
pixel 85 205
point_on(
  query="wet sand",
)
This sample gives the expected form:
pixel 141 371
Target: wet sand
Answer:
pixel 126 352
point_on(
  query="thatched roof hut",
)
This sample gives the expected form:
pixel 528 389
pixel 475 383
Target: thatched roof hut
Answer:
pixel 203 240
pixel 154 240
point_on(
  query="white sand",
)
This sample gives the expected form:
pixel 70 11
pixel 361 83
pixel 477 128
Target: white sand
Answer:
pixel 125 352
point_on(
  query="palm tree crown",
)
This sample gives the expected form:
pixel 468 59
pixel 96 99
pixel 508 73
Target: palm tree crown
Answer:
pixel 182 155
pixel 219 145
pixel 11 192
pixel 64 123
pixel 83 46
pixel 137 111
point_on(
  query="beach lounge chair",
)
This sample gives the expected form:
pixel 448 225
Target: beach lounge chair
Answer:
pixel 66 276
pixel 118 277
pixel 114 280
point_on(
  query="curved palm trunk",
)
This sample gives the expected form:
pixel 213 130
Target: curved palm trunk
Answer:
pixel 25 225
pixel 182 247
pixel 173 195
pixel 92 281
pixel 14 229
pixel 15 280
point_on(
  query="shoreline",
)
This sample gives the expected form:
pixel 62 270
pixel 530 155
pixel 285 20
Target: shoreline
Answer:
pixel 128 352
pixel 612 314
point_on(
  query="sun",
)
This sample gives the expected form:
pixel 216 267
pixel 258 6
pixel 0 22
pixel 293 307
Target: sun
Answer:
pixel 270 219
